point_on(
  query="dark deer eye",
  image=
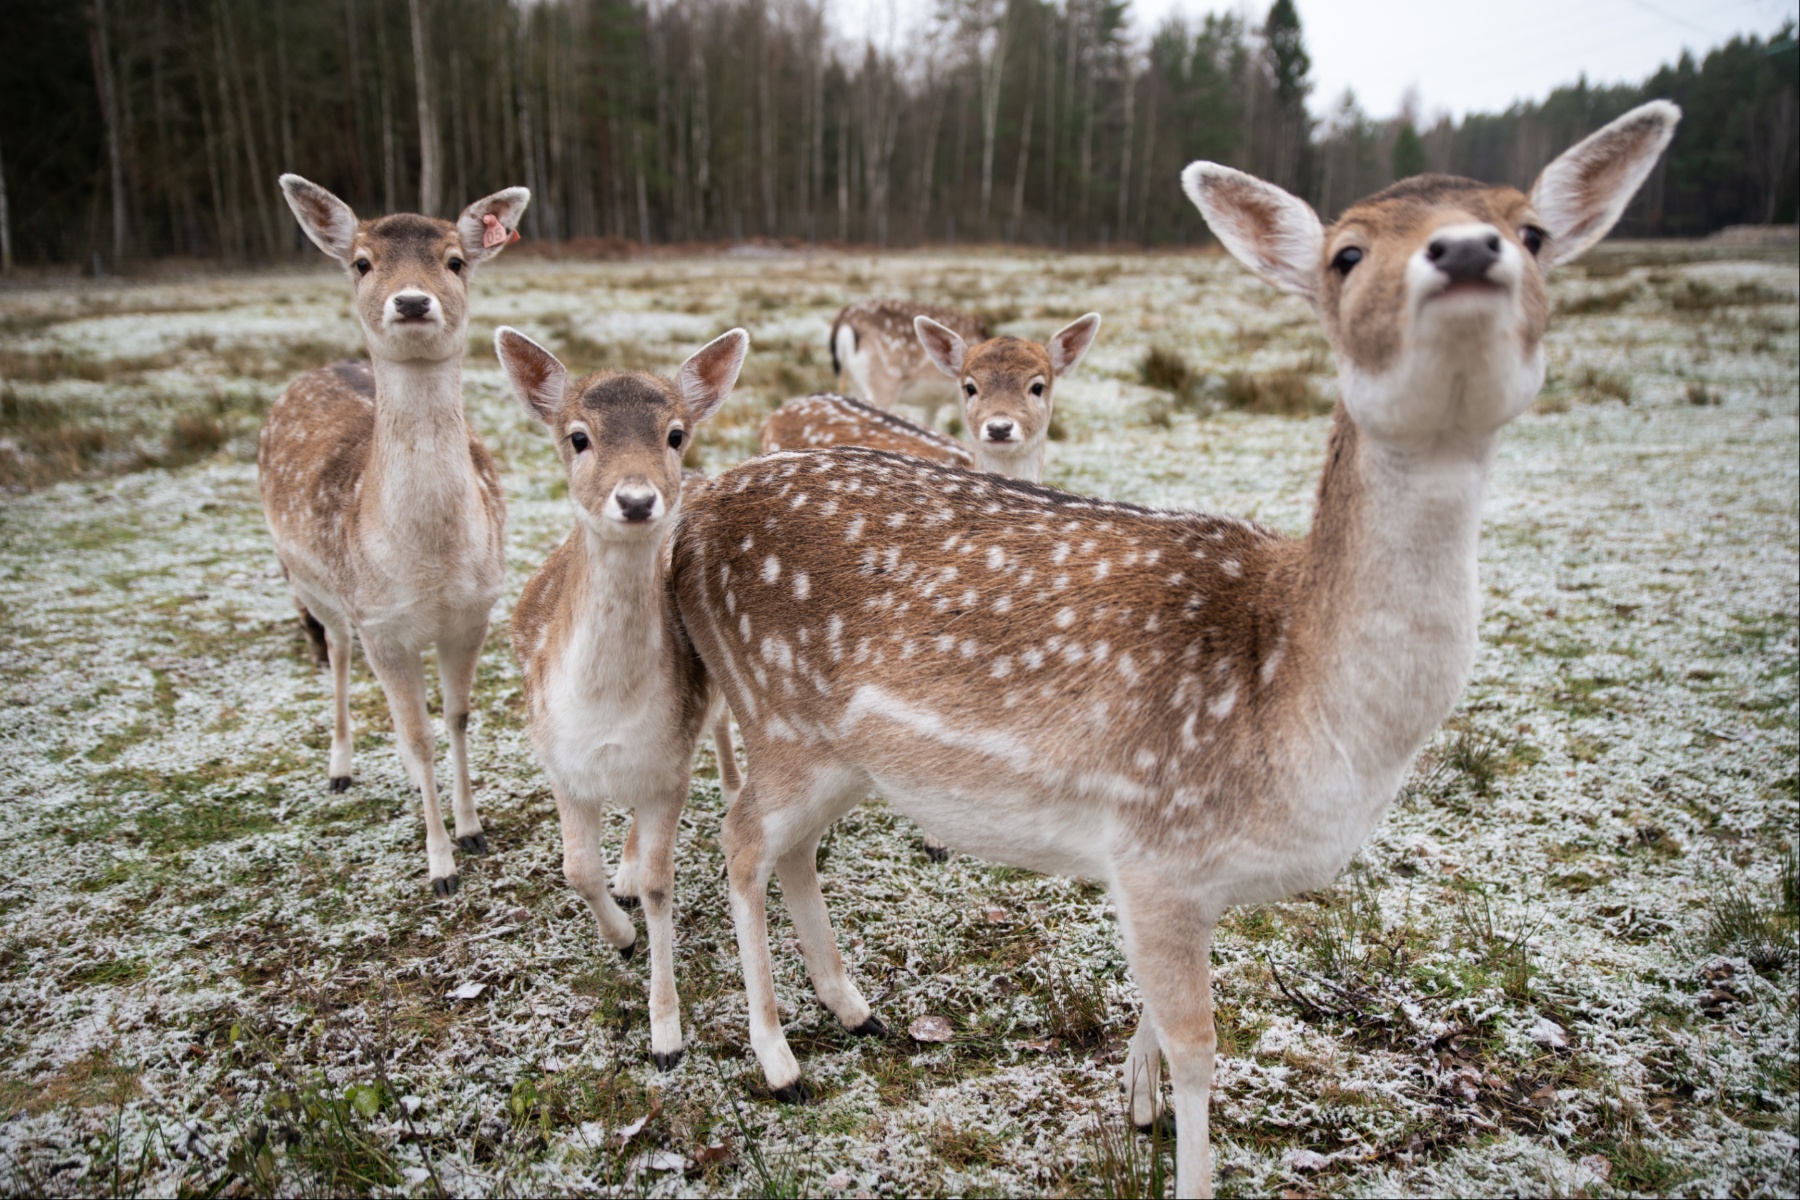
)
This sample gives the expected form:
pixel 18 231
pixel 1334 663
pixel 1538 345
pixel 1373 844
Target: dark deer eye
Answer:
pixel 579 440
pixel 968 389
pixel 1037 389
pixel 363 266
pixel 1533 237
pixel 676 438
pixel 456 266
pixel 1346 258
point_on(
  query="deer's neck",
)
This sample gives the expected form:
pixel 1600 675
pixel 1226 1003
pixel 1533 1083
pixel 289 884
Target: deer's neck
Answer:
pixel 420 476
pixel 618 610
pixel 1028 466
pixel 1389 591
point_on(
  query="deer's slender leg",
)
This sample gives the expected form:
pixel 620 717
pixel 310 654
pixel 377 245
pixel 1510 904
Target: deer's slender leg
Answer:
pixel 457 656
pixel 584 865
pixel 1143 1072
pixel 748 861
pixel 1167 942
pixel 799 874
pixel 625 883
pixel 339 647
pixel 402 678
pixel 660 820
pixel 731 782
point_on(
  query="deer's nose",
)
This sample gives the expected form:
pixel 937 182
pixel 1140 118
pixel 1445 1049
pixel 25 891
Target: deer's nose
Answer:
pixel 412 306
pixel 635 503
pixel 1465 257
pixel 999 431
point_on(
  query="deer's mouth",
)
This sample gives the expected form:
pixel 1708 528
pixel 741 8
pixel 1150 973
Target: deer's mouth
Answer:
pixel 1472 287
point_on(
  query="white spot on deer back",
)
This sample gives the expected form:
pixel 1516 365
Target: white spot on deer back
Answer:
pixel 802 585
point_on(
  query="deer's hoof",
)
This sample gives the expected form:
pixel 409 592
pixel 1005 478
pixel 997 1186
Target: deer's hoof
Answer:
pixel 669 1061
pixel 625 952
pixel 625 901
pixel 937 853
pixel 1163 1127
pixel 475 843
pixel 794 1093
pixel 446 887
pixel 873 1027
pixel 340 783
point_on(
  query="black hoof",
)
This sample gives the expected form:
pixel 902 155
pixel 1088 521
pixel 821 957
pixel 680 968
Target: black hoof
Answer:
pixel 937 853
pixel 625 952
pixel 625 901
pixel 1163 1127
pixel 473 844
pixel 794 1093
pixel 873 1027
pixel 340 783
pixel 667 1062
pixel 445 887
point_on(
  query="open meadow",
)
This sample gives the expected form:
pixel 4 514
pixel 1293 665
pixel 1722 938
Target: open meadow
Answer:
pixel 1567 962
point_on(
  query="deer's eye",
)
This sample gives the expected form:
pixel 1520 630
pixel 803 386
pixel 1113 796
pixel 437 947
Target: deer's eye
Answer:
pixel 579 440
pixel 676 438
pixel 1346 259
pixel 456 266
pixel 1037 389
pixel 364 266
pixel 1533 237
pixel 968 389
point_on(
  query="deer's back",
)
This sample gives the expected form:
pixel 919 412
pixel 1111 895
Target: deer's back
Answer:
pixel 311 458
pixel 826 419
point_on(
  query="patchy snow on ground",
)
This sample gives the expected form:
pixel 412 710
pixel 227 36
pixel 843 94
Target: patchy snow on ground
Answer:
pixel 1565 963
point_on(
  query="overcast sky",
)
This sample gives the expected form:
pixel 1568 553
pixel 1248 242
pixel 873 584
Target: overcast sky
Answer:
pixel 1461 56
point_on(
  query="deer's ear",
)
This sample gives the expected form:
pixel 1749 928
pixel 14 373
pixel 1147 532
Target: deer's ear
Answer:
pixel 1068 344
pixel 327 220
pixel 942 345
pixel 1582 194
pixel 491 224
pixel 537 378
pixel 706 378
pixel 1275 234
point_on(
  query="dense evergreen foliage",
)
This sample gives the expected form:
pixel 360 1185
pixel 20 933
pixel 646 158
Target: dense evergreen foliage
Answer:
pixel 141 128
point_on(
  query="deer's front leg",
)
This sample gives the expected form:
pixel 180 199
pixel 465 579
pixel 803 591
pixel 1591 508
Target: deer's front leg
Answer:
pixel 402 678
pixel 1143 1073
pixel 660 822
pixel 747 863
pixel 457 657
pixel 338 649
pixel 584 866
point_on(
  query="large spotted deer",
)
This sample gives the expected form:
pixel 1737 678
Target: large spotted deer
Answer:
pixel 1007 386
pixel 386 511
pixel 1197 711
pixel 872 344
pixel 616 696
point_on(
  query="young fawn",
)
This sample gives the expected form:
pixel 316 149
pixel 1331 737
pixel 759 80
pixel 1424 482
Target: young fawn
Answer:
pixel 385 508
pixel 826 419
pixel 616 696
pixel 1195 710
pixel 872 342
pixel 1006 385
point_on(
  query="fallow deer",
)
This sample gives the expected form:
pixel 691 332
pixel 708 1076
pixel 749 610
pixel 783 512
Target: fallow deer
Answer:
pixel 1195 710
pixel 1006 385
pixel 872 342
pixel 385 509
pixel 616 696
pixel 826 419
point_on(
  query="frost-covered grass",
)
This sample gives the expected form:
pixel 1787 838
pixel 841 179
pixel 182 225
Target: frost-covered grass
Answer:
pixel 1565 962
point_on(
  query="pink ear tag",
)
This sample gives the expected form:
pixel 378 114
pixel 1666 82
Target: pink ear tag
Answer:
pixel 496 234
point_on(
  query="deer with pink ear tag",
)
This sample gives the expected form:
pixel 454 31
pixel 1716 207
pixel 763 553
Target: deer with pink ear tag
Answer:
pixel 1196 711
pixel 616 696
pixel 385 509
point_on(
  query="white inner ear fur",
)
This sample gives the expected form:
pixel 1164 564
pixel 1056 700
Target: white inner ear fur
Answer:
pixel 1583 193
pixel 943 346
pixel 506 206
pixel 1275 234
pixel 328 221
pixel 709 374
pixel 1069 345
pixel 538 378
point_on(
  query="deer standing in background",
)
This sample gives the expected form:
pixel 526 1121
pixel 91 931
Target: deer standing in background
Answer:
pixel 616 695
pixel 1006 385
pixel 385 509
pixel 872 342
pixel 1195 710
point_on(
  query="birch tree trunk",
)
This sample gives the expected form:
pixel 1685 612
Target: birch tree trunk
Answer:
pixel 428 140
pixel 101 53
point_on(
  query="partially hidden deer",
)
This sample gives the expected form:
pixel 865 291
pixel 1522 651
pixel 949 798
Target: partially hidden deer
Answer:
pixel 1008 388
pixel 828 419
pixel 385 508
pixel 874 352
pixel 1195 710
pixel 616 697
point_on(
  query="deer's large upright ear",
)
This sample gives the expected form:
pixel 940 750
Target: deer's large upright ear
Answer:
pixel 943 346
pixel 327 220
pixel 1275 234
pixel 491 224
pixel 706 378
pixel 1068 344
pixel 538 379
pixel 1582 194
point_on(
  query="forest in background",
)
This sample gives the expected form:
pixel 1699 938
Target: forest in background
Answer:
pixel 138 129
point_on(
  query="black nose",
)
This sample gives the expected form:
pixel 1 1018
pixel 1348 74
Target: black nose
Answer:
pixel 999 431
pixel 1465 258
pixel 636 506
pixel 413 307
